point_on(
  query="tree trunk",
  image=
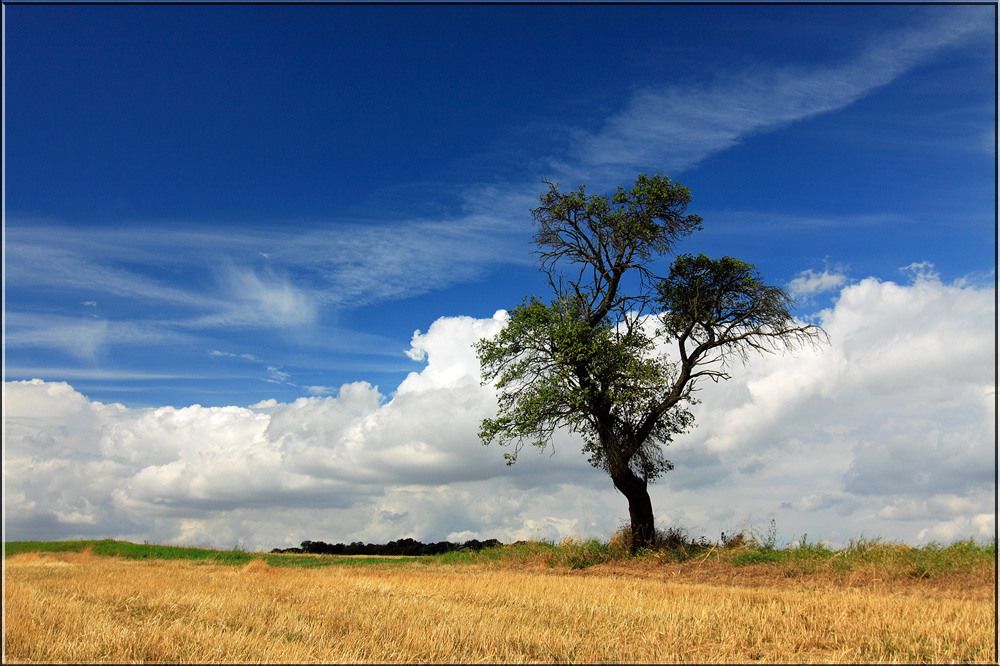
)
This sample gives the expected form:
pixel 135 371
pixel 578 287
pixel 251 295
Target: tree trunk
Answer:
pixel 640 509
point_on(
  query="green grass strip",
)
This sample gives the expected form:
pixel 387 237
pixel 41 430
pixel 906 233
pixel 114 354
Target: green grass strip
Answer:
pixel 922 562
pixel 235 557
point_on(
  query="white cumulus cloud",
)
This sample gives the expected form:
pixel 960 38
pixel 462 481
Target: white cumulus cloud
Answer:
pixel 887 431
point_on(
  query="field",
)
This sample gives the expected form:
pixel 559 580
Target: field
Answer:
pixel 535 602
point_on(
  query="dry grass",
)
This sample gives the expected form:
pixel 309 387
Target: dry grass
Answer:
pixel 79 607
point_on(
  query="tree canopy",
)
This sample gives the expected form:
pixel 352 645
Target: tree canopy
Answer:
pixel 592 359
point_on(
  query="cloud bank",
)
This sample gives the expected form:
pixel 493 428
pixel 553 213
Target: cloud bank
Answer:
pixel 888 431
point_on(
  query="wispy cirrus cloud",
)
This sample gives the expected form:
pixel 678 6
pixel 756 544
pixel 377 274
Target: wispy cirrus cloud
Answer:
pixel 71 373
pixel 151 287
pixel 83 337
pixel 93 262
pixel 366 264
pixel 674 127
pixel 184 280
pixel 349 264
pixel 259 298
pixel 224 354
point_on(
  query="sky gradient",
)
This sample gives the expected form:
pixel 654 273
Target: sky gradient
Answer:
pixel 247 249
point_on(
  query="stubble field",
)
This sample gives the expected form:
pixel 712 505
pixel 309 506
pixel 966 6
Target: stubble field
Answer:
pixel 81 607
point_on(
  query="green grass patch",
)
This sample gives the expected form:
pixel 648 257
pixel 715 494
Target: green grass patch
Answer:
pixel 895 559
pixel 315 561
pixel 580 554
pixel 130 551
pixel 515 553
pixel 235 557
pixel 759 557
pixel 925 561
pixel 18 547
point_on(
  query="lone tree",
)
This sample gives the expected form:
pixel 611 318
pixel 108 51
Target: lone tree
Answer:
pixel 591 360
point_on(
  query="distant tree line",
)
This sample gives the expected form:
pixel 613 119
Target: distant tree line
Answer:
pixel 400 547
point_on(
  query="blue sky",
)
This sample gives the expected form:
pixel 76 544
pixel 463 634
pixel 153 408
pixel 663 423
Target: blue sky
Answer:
pixel 239 207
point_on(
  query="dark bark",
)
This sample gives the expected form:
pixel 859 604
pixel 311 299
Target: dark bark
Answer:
pixel 640 509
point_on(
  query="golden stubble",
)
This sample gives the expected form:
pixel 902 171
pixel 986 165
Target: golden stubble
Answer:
pixel 76 607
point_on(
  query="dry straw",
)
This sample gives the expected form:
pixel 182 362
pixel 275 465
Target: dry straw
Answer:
pixel 81 608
